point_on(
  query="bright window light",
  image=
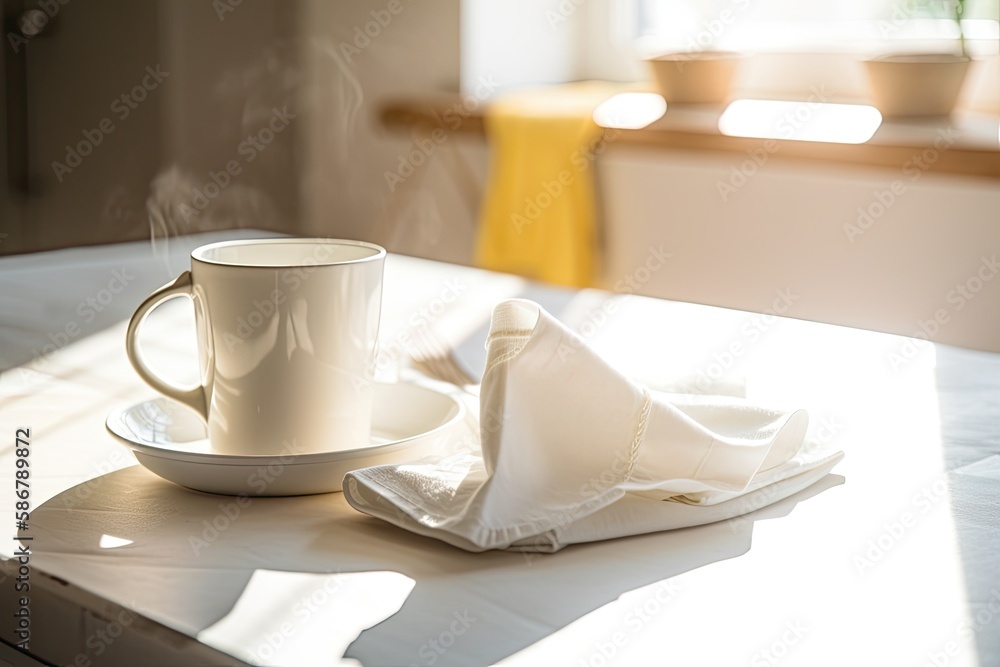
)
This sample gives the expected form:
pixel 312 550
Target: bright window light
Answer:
pixel 800 121
pixel 289 619
pixel 112 542
pixel 815 25
pixel 630 111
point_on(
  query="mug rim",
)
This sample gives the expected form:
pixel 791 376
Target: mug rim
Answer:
pixel 198 254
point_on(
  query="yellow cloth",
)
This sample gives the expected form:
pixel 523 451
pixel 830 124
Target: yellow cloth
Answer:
pixel 539 212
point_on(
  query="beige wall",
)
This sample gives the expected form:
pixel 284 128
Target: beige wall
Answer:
pixel 231 71
pixel 795 226
pixel 77 69
pixel 164 166
pixel 346 153
pixel 219 78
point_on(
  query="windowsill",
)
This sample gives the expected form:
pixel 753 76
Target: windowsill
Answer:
pixel 972 148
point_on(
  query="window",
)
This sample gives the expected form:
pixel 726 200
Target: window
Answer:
pixel 812 25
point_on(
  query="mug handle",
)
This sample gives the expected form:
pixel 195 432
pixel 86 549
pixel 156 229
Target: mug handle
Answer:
pixel 194 397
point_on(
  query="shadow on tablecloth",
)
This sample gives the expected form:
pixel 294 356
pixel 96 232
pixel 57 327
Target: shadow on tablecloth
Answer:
pixel 184 558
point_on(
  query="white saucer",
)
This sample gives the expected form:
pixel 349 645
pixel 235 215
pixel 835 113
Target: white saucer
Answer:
pixel 170 440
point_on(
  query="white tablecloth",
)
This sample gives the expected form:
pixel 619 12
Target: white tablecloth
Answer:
pixel 892 561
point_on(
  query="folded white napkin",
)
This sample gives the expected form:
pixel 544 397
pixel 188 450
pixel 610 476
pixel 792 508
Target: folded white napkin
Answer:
pixel 572 451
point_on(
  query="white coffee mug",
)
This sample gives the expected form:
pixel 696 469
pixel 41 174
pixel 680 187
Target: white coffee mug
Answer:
pixel 287 330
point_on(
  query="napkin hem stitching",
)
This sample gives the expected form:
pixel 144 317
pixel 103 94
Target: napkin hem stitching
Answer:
pixel 507 355
pixel 640 433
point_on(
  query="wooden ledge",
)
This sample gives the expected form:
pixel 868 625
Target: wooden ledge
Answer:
pixel 905 147
pixel 448 112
